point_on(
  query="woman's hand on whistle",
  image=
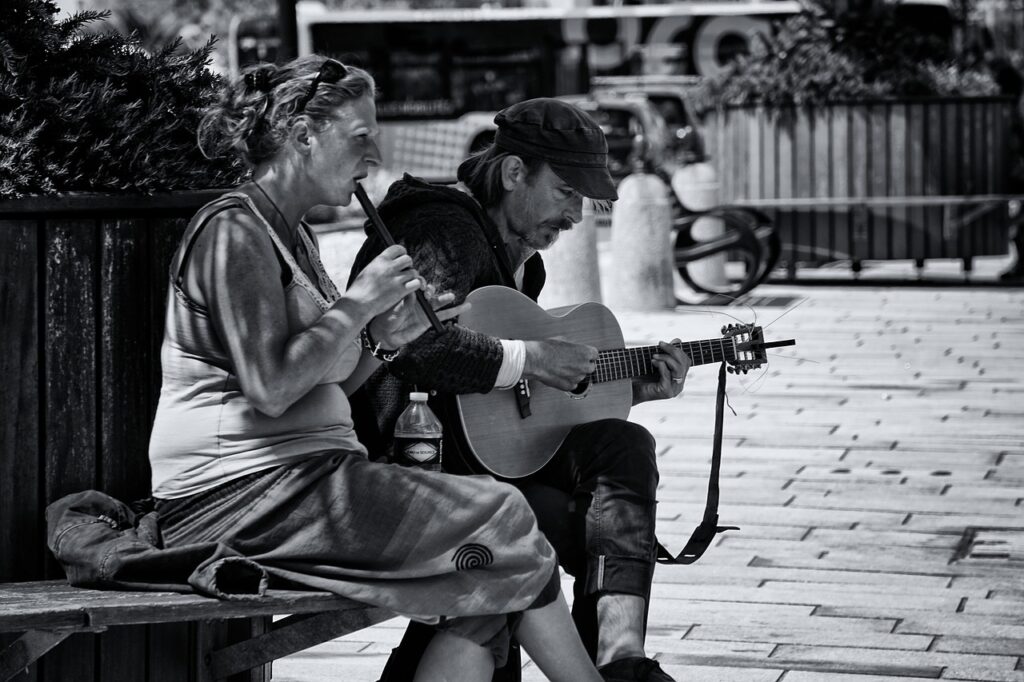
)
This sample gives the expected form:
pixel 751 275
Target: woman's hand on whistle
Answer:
pixel 405 321
pixel 385 282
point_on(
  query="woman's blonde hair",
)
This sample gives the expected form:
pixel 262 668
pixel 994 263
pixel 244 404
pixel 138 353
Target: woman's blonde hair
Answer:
pixel 257 109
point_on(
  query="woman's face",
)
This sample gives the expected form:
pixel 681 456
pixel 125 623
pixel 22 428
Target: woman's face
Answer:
pixel 345 149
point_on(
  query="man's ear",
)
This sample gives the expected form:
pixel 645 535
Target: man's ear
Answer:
pixel 513 171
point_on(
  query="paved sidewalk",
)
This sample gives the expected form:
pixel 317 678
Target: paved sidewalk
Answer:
pixel 877 472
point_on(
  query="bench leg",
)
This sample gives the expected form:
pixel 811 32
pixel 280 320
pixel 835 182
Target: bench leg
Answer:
pixel 27 649
pixel 288 636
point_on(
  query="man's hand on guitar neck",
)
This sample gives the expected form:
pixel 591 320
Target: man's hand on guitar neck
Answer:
pixel 559 364
pixel 673 364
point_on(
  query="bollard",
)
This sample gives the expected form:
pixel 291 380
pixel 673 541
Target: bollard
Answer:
pixel 641 274
pixel 696 187
pixel 573 275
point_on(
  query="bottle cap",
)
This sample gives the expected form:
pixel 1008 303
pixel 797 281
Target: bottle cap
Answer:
pixel 418 396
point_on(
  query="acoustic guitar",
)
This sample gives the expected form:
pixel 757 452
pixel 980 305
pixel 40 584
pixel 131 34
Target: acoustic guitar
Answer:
pixel 513 433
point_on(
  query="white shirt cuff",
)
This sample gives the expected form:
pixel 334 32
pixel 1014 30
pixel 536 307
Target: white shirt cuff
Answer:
pixel 513 360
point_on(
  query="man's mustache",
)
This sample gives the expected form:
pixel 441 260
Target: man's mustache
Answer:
pixel 560 225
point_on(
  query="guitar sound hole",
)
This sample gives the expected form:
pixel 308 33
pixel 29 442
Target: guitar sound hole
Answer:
pixel 580 391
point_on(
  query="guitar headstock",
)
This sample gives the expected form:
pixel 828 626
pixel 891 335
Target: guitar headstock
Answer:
pixel 748 347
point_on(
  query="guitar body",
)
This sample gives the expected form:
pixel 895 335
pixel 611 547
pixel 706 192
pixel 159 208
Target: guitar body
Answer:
pixel 506 444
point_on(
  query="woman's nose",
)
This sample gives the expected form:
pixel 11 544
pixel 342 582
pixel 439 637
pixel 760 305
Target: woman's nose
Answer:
pixel 372 157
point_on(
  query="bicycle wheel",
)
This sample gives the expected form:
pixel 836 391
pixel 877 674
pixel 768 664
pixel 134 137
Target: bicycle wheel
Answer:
pixel 749 238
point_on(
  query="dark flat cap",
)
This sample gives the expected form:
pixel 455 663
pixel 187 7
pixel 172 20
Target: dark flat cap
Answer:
pixel 562 135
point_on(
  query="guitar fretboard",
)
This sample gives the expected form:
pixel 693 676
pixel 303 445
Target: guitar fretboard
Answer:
pixel 626 363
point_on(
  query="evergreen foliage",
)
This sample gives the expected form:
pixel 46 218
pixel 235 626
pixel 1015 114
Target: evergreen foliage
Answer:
pixel 83 111
pixel 820 55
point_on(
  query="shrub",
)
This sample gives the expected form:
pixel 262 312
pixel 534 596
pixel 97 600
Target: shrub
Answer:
pixel 819 56
pixel 86 111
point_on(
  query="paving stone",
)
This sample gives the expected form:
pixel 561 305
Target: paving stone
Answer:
pixel 819 676
pixel 813 595
pixel 821 635
pixel 859 536
pixel 839 499
pixel 822 664
pixel 953 666
pixel 900 612
pixel 702 573
pixel 981 645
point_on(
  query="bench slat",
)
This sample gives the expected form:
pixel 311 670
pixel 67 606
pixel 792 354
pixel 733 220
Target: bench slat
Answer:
pixel 27 650
pixel 293 634
pixel 54 604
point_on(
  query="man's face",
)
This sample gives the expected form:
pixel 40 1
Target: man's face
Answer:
pixel 541 206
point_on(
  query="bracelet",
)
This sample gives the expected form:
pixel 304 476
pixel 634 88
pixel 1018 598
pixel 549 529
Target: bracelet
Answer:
pixel 382 354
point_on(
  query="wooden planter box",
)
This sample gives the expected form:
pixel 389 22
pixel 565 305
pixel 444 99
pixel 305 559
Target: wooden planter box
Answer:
pixel 922 148
pixel 82 287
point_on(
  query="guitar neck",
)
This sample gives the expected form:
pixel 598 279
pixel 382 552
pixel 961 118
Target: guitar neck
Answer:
pixel 626 363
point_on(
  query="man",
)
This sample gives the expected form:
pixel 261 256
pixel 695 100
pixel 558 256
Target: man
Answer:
pixel 596 498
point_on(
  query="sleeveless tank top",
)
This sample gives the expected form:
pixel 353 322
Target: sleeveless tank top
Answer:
pixel 206 432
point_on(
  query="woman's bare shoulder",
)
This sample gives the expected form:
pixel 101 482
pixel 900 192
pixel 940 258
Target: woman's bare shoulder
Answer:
pixel 233 247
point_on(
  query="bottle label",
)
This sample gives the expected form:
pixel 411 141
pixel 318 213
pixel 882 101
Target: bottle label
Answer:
pixel 420 452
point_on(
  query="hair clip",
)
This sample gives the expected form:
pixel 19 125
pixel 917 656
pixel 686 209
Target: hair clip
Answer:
pixel 259 79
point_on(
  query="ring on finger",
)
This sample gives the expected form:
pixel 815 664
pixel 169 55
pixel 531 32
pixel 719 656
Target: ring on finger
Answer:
pixel 677 380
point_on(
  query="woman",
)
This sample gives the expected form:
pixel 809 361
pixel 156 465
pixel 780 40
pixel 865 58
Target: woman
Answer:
pixel 253 444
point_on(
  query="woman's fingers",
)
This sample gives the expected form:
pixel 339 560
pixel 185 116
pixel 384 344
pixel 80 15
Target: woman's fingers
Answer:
pixel 454 311
pixel 441 300
pixel 392 252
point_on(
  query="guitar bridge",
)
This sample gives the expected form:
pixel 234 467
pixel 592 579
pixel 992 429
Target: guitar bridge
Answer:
pixel 522 392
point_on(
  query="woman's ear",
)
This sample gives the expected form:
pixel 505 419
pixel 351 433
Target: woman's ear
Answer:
pixel 299 137
pixel 513 171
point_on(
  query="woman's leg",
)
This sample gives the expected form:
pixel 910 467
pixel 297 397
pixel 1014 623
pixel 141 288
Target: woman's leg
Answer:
pixel 450 658
pixel 546 634
pixel 549 636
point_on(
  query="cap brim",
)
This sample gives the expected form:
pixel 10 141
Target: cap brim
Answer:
pixel 593 183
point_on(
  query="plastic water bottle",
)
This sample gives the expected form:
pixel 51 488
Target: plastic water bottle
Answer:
pixel 418 435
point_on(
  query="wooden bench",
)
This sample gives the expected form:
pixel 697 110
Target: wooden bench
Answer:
pixel 48 612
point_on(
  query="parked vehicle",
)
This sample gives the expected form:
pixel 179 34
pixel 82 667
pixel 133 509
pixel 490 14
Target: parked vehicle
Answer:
pixel 670 95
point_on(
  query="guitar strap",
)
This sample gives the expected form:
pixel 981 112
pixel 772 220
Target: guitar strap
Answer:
pixel 708 528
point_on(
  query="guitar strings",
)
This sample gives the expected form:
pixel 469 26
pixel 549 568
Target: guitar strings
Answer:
pixel 639 360
pixel 754 386
pixel 734 299
pixel 793 357
pixel 786 312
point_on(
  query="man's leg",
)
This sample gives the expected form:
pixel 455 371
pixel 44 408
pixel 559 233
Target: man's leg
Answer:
pixel 622 620
pixel 609 470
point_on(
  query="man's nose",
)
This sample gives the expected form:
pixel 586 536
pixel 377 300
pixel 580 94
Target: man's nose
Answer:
pixel 575 210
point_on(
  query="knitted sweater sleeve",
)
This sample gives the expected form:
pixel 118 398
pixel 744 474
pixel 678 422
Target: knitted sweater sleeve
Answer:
pixel 450 251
